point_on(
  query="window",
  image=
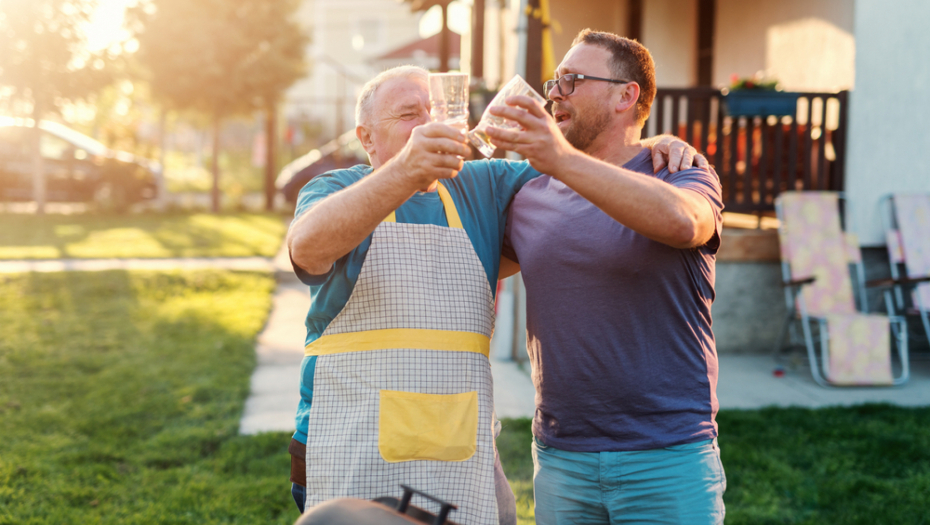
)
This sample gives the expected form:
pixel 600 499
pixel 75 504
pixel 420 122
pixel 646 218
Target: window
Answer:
pixel 53 147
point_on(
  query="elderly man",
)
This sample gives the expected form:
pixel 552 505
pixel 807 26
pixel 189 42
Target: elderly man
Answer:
pixel 402 260
pixel 618 264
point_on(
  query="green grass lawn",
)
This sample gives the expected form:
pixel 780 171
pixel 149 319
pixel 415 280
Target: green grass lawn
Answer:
pixel 120 398
pixel 149 235
pixel 862 465
pixel 121 392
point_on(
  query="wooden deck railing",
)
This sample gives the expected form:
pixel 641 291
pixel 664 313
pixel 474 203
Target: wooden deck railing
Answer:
pixel 758 157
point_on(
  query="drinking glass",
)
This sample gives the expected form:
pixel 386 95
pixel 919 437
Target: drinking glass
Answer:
pixel 478 136
pixel 448 98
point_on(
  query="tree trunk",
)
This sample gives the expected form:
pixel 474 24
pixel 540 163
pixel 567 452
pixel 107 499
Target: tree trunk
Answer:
pixel 161 200
pixel 38 166
pixel 271 114
pixel 215 193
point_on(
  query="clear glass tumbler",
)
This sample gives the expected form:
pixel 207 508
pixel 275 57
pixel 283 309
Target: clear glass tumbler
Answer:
pixel 448 98
pixel 478 136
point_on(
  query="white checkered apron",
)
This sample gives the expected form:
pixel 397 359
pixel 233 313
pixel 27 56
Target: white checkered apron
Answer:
pixel 415 276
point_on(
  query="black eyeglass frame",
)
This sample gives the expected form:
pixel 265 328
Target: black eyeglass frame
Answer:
pixel 573 77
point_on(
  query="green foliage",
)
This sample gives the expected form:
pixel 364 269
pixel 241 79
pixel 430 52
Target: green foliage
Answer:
pixel 862 465
pixel 120 395
pixel 220 57
pixel 42 55
pixel 144 236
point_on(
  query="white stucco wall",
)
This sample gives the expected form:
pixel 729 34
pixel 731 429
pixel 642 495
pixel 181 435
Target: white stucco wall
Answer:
pixel 889 109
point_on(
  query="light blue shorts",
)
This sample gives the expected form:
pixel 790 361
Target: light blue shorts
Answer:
pixel 683 484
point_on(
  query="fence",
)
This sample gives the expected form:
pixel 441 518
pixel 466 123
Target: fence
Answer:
pixel 758 157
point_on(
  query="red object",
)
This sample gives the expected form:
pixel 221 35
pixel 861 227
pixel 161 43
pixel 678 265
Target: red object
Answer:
pixel 778 372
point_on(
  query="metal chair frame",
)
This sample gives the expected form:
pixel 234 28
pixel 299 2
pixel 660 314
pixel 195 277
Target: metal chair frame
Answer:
pixel 797 311
pixel 890 223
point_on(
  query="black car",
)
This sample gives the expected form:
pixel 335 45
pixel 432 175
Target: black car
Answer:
pixel 77 167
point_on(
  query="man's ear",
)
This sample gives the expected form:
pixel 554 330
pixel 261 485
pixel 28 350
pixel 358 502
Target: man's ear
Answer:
pixel 364 136
pixel 628 97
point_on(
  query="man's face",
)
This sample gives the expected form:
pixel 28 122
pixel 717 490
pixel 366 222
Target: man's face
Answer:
pixel 586 113
pixel 400 105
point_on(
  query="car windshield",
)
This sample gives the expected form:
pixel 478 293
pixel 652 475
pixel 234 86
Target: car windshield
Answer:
pixel 79 140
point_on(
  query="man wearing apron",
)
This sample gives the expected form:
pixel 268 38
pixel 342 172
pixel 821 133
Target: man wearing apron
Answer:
pixel 400 259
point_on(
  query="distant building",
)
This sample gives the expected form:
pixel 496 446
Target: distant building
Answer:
pixel 345 35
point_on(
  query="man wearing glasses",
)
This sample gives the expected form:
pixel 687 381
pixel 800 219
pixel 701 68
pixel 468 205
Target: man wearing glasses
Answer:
pixel 618 264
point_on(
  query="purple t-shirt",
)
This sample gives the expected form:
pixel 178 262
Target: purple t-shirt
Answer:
pixel 618 325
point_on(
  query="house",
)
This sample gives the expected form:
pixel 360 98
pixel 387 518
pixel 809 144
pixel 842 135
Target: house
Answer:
pixel 860 69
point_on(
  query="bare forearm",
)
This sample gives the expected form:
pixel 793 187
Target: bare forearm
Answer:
pixel 654 209
pixel 339 223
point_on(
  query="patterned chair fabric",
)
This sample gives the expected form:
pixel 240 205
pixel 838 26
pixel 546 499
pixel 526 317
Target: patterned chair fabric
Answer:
pixel 814 245
pixel 913 215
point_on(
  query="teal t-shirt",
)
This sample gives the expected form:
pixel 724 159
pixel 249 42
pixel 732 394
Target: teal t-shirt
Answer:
pixel 482 192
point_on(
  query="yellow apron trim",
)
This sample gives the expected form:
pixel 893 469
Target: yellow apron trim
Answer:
pixel 434 427
pixel 447 340
pixel 452 214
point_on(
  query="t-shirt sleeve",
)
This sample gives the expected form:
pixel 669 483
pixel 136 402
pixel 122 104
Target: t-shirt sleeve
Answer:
pixel 706 183
pixel 510 176
pixel 310 195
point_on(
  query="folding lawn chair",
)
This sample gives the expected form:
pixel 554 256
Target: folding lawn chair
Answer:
pixel 907 233
pixel 816 254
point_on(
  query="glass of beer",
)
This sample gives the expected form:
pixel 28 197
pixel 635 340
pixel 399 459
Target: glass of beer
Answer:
pixel 448 98
pixel 478 136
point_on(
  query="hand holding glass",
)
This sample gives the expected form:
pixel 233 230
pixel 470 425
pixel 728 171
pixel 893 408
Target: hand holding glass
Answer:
pixel 478 136
pixel 448 98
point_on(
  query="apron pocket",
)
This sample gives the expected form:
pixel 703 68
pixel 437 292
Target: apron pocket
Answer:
pixel 413 426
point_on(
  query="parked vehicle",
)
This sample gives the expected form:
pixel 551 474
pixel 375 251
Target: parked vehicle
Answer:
pixel 77 167
pixel 342 152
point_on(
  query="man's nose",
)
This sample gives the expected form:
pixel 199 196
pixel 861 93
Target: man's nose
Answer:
pixel 554 94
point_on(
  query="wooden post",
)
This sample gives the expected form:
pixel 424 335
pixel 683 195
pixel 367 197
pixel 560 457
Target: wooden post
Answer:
pixel 445 37
pixel 477 39
pixel 534 45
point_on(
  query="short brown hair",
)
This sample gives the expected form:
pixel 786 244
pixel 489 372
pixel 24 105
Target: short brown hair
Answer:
pixel 630 61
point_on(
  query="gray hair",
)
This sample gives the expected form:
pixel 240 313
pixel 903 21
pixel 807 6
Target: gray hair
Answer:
pixel 366 98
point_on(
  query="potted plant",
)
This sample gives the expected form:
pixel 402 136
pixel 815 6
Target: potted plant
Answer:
pixel 757 96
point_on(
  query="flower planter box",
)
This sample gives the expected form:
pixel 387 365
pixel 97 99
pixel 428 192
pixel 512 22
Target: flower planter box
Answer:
pixel 761 103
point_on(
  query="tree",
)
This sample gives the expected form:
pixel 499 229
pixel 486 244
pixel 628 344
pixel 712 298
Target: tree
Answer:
pixel 44 61
pixel 220 57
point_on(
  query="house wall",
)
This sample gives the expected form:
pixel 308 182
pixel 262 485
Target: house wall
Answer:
pixel 807 45
pixel 888 131
pixel 670 34
pixel 569 17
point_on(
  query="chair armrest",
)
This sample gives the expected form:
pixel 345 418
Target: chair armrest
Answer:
pixel 902 281
pixel 798 283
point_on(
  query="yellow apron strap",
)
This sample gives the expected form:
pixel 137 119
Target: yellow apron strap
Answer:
pixel 449 341
pixel 452 214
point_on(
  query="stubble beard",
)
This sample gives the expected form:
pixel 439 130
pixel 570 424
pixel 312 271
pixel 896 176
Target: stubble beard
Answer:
pixel 583 131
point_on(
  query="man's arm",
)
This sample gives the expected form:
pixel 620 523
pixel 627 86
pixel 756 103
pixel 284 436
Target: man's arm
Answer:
pixel 671 151
pixel 677 217
pixel 508 267
pixel 340 222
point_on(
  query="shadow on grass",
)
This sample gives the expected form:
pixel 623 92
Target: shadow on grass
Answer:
pixel 120 397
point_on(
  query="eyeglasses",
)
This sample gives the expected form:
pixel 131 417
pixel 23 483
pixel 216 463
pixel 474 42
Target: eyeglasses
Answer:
pixel 566 83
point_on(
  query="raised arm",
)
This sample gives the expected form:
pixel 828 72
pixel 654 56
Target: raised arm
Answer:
pixel 678 217
pixel 341 221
